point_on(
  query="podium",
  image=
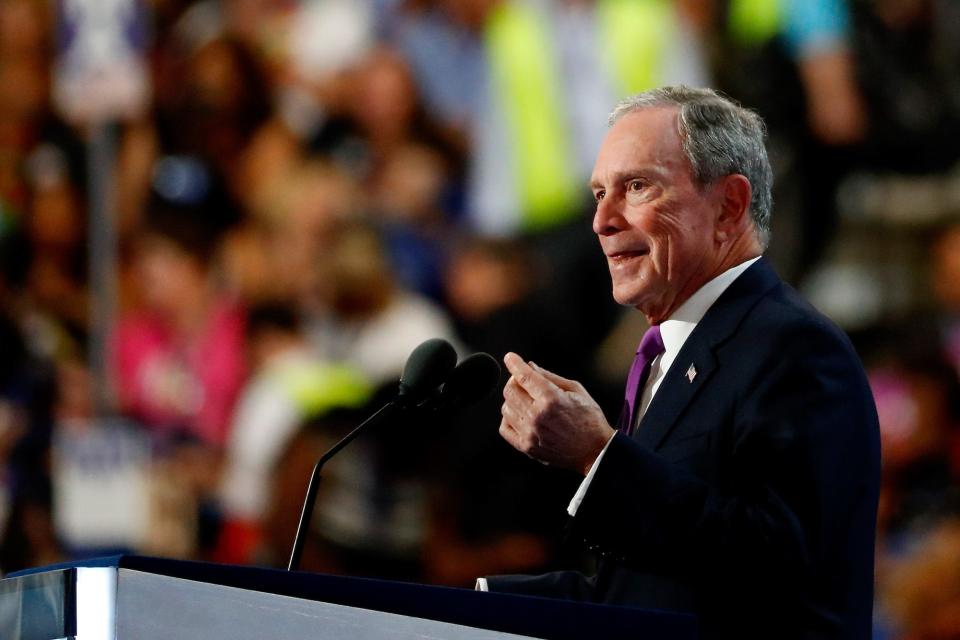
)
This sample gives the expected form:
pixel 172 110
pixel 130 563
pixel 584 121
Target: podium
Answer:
pixel 142 598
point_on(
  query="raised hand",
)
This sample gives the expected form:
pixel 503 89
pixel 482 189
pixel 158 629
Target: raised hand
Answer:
pixel 550 418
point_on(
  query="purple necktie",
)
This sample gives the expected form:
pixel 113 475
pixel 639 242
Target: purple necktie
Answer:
pixel 650 347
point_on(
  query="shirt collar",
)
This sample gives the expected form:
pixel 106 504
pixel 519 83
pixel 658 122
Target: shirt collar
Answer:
pixel 677 328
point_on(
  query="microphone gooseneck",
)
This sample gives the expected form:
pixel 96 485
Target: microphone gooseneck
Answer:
pixel 428 366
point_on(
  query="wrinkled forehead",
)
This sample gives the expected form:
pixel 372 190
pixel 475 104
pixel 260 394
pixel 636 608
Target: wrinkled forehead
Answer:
pixel 646 137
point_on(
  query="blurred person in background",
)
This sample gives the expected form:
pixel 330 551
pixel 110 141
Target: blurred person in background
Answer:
pixel 55 230
pixel 40 302
pixel 362 318
pixel 918 401
pixel 529 81
pixel 294 219
pixel 499 294
pixel 219 112
pixel 385 106
pixel 24 93
pixel 796 64
pixel 414 166
pixel 42 295
pixel 921 590
pixel 917 392
pixel 344 482
pixel 288 384
pixel 360 315
pixel 179 357
pixel 212 101
pixel 409 205
pixel 321 44
pixel 27 398
pixel 379 134
pixel 908 68
pixel 41 187
pixel 945 283
pixel 494 289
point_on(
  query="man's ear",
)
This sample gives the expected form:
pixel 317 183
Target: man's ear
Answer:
pixel 734 215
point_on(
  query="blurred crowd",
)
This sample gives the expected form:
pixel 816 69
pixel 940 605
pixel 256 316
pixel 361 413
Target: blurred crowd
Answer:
pixel 314 187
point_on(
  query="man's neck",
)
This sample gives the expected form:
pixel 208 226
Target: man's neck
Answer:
pixel 727 262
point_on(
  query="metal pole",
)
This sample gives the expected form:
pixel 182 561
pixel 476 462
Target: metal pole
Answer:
pixel 102 235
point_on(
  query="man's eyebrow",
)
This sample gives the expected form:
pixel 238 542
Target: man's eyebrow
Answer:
pixel 646 171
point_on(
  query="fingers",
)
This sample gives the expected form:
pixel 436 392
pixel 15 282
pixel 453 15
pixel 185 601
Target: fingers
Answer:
pixel 531 393
pixel 514 411
pixel 526 442
pixel 513 392
pixel 564 383
pixel 507 432
pixel 530 379
pixel 520 441
pixel 522 392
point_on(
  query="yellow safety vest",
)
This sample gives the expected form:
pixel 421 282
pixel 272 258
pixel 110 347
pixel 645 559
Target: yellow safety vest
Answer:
pixel 634 34
pixel 753 22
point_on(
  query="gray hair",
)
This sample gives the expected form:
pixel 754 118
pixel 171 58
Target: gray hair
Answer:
pixel 720 138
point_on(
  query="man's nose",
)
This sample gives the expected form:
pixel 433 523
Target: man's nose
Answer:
pixel 608 218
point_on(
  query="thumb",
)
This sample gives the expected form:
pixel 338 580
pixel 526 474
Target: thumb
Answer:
pixel 560 381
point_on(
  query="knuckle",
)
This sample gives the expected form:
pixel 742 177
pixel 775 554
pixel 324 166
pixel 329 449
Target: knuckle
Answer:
pixel 542 419
pixel 549 404
pixel 530 442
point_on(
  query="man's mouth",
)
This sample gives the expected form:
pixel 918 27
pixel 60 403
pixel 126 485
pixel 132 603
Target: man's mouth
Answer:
pixel 623 256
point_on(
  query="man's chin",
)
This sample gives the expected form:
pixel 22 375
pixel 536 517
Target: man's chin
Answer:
pixel 627 297
pixel 642 301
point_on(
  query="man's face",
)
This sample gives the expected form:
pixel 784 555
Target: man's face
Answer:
pixel 656 227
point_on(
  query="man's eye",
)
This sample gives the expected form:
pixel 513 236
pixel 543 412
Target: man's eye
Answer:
pixel 598 196
pixel 635 185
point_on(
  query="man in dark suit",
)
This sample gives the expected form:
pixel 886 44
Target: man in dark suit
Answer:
pixel 742 483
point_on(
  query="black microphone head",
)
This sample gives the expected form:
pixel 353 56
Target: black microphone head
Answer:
pixel 426 369
pixel 471 381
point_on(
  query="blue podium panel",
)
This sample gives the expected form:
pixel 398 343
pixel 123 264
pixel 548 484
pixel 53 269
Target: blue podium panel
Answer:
pixel 145 598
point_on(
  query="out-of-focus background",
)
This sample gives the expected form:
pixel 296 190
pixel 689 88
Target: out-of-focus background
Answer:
pixel 224 224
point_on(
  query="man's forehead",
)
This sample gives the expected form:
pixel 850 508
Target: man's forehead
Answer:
pixel 647 136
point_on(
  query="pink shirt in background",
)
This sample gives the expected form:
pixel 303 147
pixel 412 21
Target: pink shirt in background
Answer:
pixel 170 383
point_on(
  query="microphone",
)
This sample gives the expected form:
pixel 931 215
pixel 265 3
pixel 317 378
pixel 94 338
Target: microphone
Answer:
pixel 470 382
pixel 426 368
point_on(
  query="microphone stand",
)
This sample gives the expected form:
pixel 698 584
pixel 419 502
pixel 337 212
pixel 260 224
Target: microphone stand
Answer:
pixel 307 513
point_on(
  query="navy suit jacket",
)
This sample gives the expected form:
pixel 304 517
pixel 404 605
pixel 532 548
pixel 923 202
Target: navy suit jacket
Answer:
pixel 748 494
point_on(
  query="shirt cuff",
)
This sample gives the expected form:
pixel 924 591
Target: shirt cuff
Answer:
pixel 582 490
pixel 481 585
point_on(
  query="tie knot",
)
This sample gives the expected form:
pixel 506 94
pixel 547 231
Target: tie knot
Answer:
pixel 652 343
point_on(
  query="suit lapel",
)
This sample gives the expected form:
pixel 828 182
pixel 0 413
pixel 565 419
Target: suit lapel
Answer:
pixel 676 392
pixel 697 361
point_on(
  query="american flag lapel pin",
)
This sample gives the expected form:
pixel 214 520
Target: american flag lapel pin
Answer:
pixel 691 373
